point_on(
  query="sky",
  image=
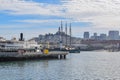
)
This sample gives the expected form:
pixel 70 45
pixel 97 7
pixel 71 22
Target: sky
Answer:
pixel 34 17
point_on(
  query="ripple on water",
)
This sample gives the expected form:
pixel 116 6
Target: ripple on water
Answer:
pixel 83 66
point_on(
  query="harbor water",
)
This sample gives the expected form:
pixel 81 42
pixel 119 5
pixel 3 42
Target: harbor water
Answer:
pixel 93 65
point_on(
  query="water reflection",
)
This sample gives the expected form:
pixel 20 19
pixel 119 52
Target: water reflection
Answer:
pixel 83 66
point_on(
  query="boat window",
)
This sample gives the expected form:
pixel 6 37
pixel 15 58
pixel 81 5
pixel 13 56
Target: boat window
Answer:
pixel 2 45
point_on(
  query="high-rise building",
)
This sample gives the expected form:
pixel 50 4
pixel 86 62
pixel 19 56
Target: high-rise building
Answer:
pixel 94 36
pixel 113 35
pixel 86 35
pixel 103 36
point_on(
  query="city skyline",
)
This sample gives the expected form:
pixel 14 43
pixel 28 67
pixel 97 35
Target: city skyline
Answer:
pixel 111 35
pixel 34 17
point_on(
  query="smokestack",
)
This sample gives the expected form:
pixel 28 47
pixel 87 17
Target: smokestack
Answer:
pixel 21 37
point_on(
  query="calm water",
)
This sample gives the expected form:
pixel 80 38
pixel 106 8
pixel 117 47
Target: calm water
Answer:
pixel 83 66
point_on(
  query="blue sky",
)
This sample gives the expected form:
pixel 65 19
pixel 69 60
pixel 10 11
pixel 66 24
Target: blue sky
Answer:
pixel 34 17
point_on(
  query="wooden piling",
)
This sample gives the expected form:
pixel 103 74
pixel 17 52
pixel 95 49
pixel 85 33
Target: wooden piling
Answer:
pixel 64 56
pixel 60 56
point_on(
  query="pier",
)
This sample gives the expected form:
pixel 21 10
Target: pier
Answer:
pixel 10 56
pixel 27 50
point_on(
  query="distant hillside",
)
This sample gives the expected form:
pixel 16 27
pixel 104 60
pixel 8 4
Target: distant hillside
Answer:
pixel 55 38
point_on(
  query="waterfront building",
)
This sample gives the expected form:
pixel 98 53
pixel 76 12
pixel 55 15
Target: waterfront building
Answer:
pixel 113 35
pixel 2 39
pixel 41 37
pixel 86 35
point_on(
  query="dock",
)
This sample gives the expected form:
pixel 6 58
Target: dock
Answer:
pixel 32 55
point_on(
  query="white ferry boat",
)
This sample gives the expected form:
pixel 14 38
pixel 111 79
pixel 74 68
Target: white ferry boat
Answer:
pixel 15 47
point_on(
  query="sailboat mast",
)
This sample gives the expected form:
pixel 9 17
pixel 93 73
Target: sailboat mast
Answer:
pixel 59 33
pixel 66 33
pixel 61 37
pixel 70 35
pixel 62 30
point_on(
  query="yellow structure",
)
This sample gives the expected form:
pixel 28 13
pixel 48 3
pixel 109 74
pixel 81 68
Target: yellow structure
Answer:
pixel 45 51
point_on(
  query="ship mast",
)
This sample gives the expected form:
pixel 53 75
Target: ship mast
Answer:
pixel 70 35
pixel 62 31
pixel 66 33
pixel 61 37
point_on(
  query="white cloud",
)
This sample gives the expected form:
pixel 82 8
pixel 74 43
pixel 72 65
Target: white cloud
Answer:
pixel 22 7
pixel 38 21
pixel 103 14
pixel 10 31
